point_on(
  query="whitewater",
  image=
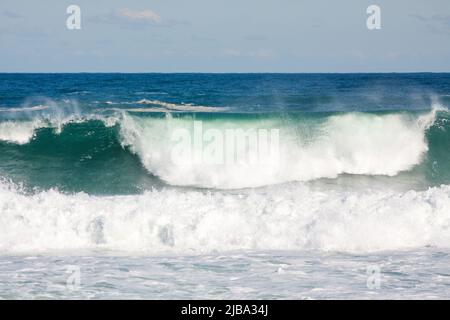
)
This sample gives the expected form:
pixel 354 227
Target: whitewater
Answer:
pixel 291 217
pixel 290 204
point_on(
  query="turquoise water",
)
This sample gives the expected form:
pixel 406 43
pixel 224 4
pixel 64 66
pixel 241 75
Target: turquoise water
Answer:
pixel 86 155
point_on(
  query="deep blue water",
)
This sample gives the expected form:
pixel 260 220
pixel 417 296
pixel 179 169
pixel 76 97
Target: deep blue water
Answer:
pixel 240 92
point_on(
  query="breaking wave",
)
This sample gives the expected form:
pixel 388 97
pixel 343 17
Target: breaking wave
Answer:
pixel 308 147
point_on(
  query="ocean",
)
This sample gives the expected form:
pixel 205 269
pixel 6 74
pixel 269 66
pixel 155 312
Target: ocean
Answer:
pixel 243 186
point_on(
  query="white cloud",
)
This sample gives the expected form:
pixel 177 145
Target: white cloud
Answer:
pixel 140 16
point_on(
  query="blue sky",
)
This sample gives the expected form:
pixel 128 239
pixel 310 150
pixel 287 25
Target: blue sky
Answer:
pixel 224 36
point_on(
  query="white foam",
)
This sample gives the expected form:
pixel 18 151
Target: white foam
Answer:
pixel 161 106
pixel 350 143
pixel 19 132
pixel 290 217
pixel 26 109
pixel 181 107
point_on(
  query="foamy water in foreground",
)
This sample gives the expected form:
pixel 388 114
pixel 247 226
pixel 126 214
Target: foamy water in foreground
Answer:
pixel 284 242
pixel 417 274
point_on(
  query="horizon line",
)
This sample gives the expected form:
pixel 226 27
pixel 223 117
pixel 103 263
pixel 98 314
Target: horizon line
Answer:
pixel 215 72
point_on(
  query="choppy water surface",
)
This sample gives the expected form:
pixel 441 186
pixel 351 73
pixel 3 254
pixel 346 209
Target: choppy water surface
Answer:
pixel 418 274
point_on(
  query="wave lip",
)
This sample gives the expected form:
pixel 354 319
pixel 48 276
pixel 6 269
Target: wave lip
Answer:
pixel 19 132
pixel 23 131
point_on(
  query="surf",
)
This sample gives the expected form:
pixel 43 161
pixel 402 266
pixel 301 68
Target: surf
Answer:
pixel 288 217
pixel 311 146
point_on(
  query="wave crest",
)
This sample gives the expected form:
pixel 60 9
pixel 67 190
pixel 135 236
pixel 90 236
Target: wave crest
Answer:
pixel 19 132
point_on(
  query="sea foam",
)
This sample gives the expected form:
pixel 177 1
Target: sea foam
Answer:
pixel 288 217
pixel 19 132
